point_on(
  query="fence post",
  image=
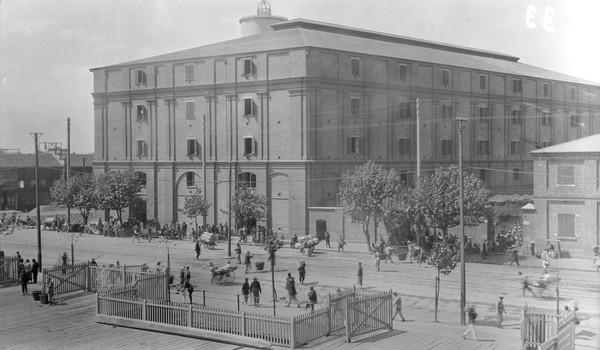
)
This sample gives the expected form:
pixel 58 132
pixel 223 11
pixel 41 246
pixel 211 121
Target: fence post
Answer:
pixel 243 324
pixel 189 323
pixel 123 276
pixel 204 297
pixel 238 302
pixel 347 320
pixel 97 304
pixel 293 332
pixel 328 315
pixel 144 302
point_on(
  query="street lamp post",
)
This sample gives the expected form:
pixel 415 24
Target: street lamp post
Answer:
pixel 463 293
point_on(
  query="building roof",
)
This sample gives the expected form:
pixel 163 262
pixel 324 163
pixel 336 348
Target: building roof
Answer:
pixel 589 144
pixel 302 33
pixel 76 160
pixel 22 160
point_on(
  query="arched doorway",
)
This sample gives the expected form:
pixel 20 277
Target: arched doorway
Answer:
pixel 321 228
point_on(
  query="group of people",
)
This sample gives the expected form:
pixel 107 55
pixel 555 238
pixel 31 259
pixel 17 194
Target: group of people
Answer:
pixel 27 272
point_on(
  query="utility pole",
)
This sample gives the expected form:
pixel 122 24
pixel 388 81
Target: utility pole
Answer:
pixel 68 171
pixel 229 228
pixel 418 184
pixel 37 200
pixel 204 164
pixel 463 296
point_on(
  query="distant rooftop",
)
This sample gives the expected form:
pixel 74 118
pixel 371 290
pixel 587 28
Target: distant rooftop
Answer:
pixel 21 160
pixel 589 144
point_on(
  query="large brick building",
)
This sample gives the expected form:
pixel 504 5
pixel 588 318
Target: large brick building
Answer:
pixel 291 106
pixel 566 196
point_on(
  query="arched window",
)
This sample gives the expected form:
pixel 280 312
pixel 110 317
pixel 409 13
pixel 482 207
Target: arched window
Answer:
pixel 516 174
pixel 141 177
pixel 248 179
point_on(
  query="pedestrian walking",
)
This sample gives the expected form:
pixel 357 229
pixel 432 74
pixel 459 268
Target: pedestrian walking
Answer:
pixel 197 249
pixel 532 247
pixel 377 260
pixel 398 306
pixel 341 244
pixel 312 299
pixel 471 316
pixel 238 252
pixel 64 258
pixel 35 267
pixel 290 286
pixel 525 283
pixel 515 256
pixel 484 251
pixel 248 261
pixel 50 290
pixel 136 234
pixel 255 289
pixel 327 237
pixel 411 251
pixel 500 310
pixel 24 280
pixel 360 275
pixel 245 291
pixel 302 272
pixel 189 289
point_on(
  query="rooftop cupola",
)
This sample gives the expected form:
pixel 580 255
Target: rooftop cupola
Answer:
pixel 261 22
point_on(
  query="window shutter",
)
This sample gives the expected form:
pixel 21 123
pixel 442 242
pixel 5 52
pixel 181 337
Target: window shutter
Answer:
pixel 408 109
pixel 248 106
pixel 349 145
pixel 402 72
pixel 190 108
pixel 482 82
pixel 189 72
pixel 407 142
pixel 140 112
pixel 247 67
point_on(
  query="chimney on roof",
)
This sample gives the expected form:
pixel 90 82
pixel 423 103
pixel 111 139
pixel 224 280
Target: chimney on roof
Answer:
pixel 261 22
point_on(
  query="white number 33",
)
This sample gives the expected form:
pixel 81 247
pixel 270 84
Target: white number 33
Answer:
pixel 546 24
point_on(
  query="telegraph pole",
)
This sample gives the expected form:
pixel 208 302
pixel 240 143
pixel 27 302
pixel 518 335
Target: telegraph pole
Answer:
pixel 418 184
pixel 204 164
pixel 37 199
pixel 463 293
pixel 229 228
pixel 68 171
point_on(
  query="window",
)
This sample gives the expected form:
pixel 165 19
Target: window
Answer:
pixel 189 72
pixel 484 114
pixel 404 146
pixel 573 93
pixel 484 147
pixel 404 110
pixel 516 174
pixel 517 86
pixel 516 116
pixel 446 147
pixel 140 77
pixel 247 179
pixel 248 68
pixel 140 111
pixel 248 106
pixel 191 147
pixel 249 145
pixel 566 225
pixel 140 148
pixel 190 109
pixel 482 82
pixel 546 89
pixel 190 179
pixel 141 177
pixel 402 72
pixel 546 118
pixel 574 119
pixel 515 148
pixel 565 175
pixel 354 144
pixel 354 106
pixel 447 111
pixel 355 66
pixel 445 77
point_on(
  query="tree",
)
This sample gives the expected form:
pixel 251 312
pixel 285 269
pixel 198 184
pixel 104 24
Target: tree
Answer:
pixel 271 246
pixel 441 203
pixel 194 206
pixel 365 192
pixel 247 206
pixel 78 192
pixel 117 191
pixel 444 258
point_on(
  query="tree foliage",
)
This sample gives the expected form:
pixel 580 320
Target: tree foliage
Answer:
pixel 78 192
pixel 247 205
pixel 365 193
pixel 194 206
pixel 117 191
pixel 440 199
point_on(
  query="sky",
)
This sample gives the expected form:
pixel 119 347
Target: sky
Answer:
pixel 48 46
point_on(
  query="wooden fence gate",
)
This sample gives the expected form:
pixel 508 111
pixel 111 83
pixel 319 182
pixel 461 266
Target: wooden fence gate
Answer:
pixel 9 269
pixel 544 329
pixel 67 278
pixel 368 312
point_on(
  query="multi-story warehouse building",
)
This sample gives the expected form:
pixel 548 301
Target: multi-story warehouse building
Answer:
pixel 291 106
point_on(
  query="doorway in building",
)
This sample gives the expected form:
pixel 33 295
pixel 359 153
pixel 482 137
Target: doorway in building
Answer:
pixel 321 228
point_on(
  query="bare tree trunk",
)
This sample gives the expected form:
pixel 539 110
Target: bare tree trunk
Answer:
pixel 437 295
pixel 367 236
